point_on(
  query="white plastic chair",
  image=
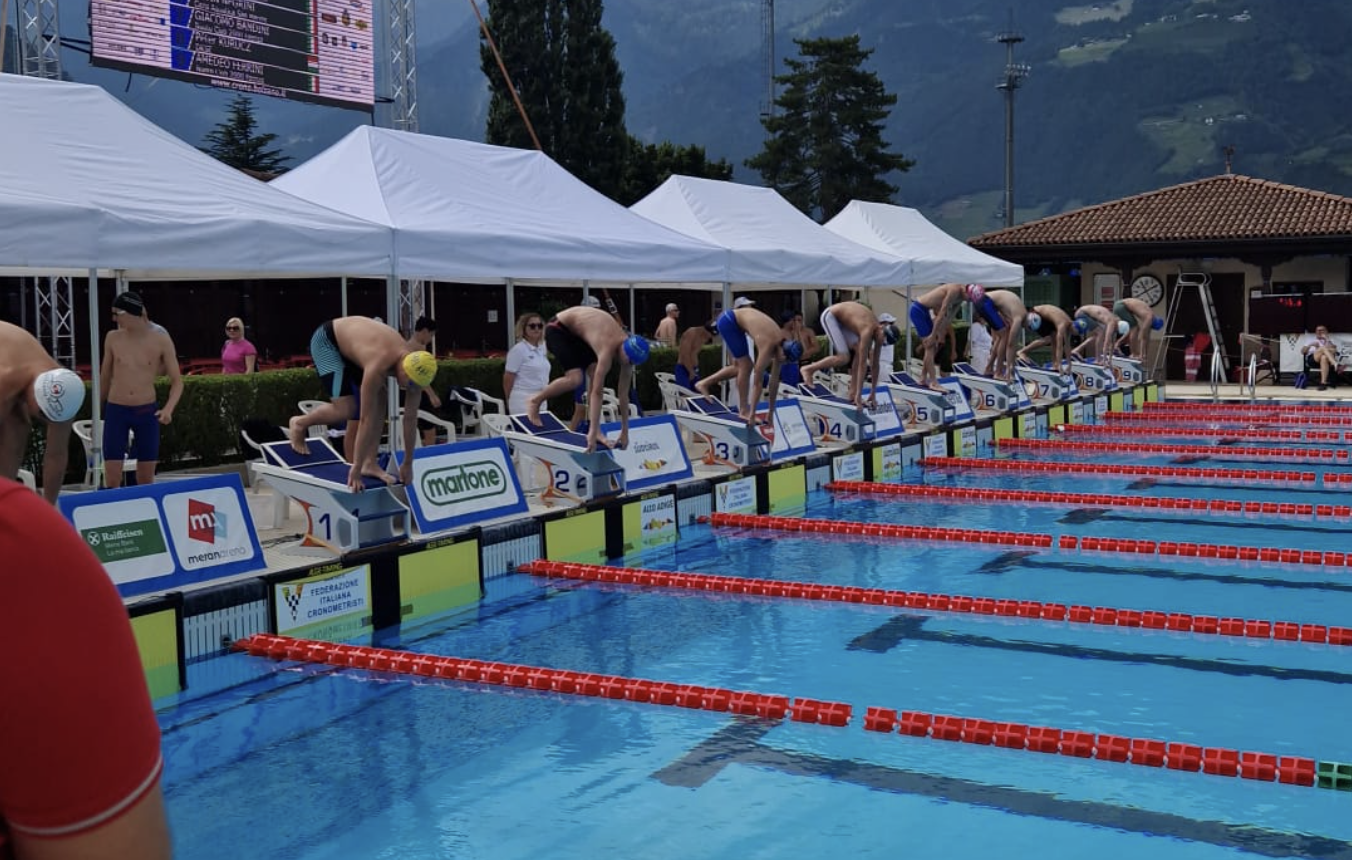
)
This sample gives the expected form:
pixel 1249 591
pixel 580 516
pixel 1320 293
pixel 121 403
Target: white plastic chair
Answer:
pixel 444 427
pixel 474 404
pixel 28 480
pixel 308 406
pixel 495 425
pixel 84 431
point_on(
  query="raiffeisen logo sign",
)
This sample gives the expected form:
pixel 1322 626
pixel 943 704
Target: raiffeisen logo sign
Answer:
pixel 479 480
pixel 205 523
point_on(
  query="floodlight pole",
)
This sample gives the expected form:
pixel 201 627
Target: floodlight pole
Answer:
pixel 1013 79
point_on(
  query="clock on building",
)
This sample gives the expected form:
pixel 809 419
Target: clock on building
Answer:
pixel 1148 289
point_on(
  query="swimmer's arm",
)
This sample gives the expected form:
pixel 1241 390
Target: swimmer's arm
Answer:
pixel 54 459
pixel 106 367
pixel 170 359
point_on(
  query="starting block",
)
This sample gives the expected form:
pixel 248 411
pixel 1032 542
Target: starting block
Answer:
pixel 1127 370
pixel 927 408
pixel 574 474
pixel 833 418
pixel 1093 378
pixel 337 519
pixel 989 393
pixel 730 441
pixel 1052 385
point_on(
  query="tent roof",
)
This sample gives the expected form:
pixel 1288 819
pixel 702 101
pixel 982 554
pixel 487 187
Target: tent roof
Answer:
pixel 89 183
pixel 936 257
pixel 469 211
pixel 770 241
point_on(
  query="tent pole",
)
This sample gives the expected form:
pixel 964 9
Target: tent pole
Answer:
pixel 511 313
pixel 96 408
pixel 343 296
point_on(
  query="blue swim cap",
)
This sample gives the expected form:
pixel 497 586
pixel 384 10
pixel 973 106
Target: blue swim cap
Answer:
pixel 1080 325
pixel 636 349
pixel 793 350
pixel 1157 323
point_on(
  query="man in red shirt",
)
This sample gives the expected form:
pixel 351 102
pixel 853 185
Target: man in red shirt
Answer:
pixel 79 746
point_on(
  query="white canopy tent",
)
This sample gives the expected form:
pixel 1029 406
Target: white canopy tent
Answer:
pixel 89 184
pixel 91 188
pixel 769 241
pixel 472 212
pixel 936 257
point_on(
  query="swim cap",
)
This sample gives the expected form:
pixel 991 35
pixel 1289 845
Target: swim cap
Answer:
pixel 591 302
pixel 974 293
pixel 891 334
pixel 1157 323
pixel 1033 320
pixel 60 394
pixel 1123 327
pixel 793 350
pixel 421 368
pixel 1080 325
pixel 636 349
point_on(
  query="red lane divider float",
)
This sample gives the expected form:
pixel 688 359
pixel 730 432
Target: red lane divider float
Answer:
pixel 1221 421
pixel 1104 616
pixel 1063 446
pixel 1314 557
pixel 1239 477
pixel 1154 753
pixel 1266 408
pixel 1217 433
pixel 1093 500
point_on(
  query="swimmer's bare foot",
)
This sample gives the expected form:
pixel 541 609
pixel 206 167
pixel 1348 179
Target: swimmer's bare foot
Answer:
pixel 807 378
pixel 533 412
pixel 701 388
pixel 374 471
pixel 296 435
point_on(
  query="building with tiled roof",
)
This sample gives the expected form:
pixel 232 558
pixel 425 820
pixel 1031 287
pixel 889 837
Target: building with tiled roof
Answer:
pixel 1278 259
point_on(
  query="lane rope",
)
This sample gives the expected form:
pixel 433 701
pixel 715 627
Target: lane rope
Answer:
pixel 1147 752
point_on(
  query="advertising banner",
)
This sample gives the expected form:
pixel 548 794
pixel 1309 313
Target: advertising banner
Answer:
pixel 792 436
pixel 655 455
pixel 463 483
pixel 169 534
pixel 735 496
pixel 650 522
pixel 332 604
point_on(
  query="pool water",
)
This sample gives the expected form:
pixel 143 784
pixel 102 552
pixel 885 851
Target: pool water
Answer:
pixel 313 762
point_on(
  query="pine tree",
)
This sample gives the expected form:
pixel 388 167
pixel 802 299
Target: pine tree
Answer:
pixel 563 64
pixel 649 165
pixel 825 145
pixel 233 141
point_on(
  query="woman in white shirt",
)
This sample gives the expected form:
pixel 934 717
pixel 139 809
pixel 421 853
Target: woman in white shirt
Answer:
pixel 527 370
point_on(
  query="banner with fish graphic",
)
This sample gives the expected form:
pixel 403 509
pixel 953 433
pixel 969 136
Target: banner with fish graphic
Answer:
pixel 655 456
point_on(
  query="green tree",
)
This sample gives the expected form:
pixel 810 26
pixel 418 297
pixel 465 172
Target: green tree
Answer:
pixel 825 145
pixel 233 141
pixel 649 165
pixel 563 64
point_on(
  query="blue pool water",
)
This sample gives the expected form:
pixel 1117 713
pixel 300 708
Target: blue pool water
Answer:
pixel 309 762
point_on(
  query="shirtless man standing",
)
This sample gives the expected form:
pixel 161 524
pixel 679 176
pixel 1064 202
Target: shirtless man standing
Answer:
pixel 133 356
pixel 353 356
pixel 1052 326
pixel 736 325
pixel 852 328
pixel 666 329
pixel 33 387
pixel 1005 344
pixel 693 340
pixel 587 340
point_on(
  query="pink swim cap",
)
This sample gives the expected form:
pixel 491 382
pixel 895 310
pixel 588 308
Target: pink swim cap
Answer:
pixel 975 293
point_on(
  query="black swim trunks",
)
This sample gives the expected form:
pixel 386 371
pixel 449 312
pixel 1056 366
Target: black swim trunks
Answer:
pixel 569 349
pixel 337 374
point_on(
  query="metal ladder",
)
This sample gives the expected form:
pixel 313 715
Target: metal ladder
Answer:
pixel 1202 281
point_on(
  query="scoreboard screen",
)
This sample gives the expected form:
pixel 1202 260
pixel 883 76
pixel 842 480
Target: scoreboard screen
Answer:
pixel 308 50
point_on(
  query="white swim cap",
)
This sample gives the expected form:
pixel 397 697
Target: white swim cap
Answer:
pixel 1033 320
pixel 1123 327
pixel 60 394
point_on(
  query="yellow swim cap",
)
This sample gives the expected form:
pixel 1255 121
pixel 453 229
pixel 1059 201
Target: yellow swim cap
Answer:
pixel 421 368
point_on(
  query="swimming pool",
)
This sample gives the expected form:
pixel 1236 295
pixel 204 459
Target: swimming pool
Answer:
pixel 316 762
